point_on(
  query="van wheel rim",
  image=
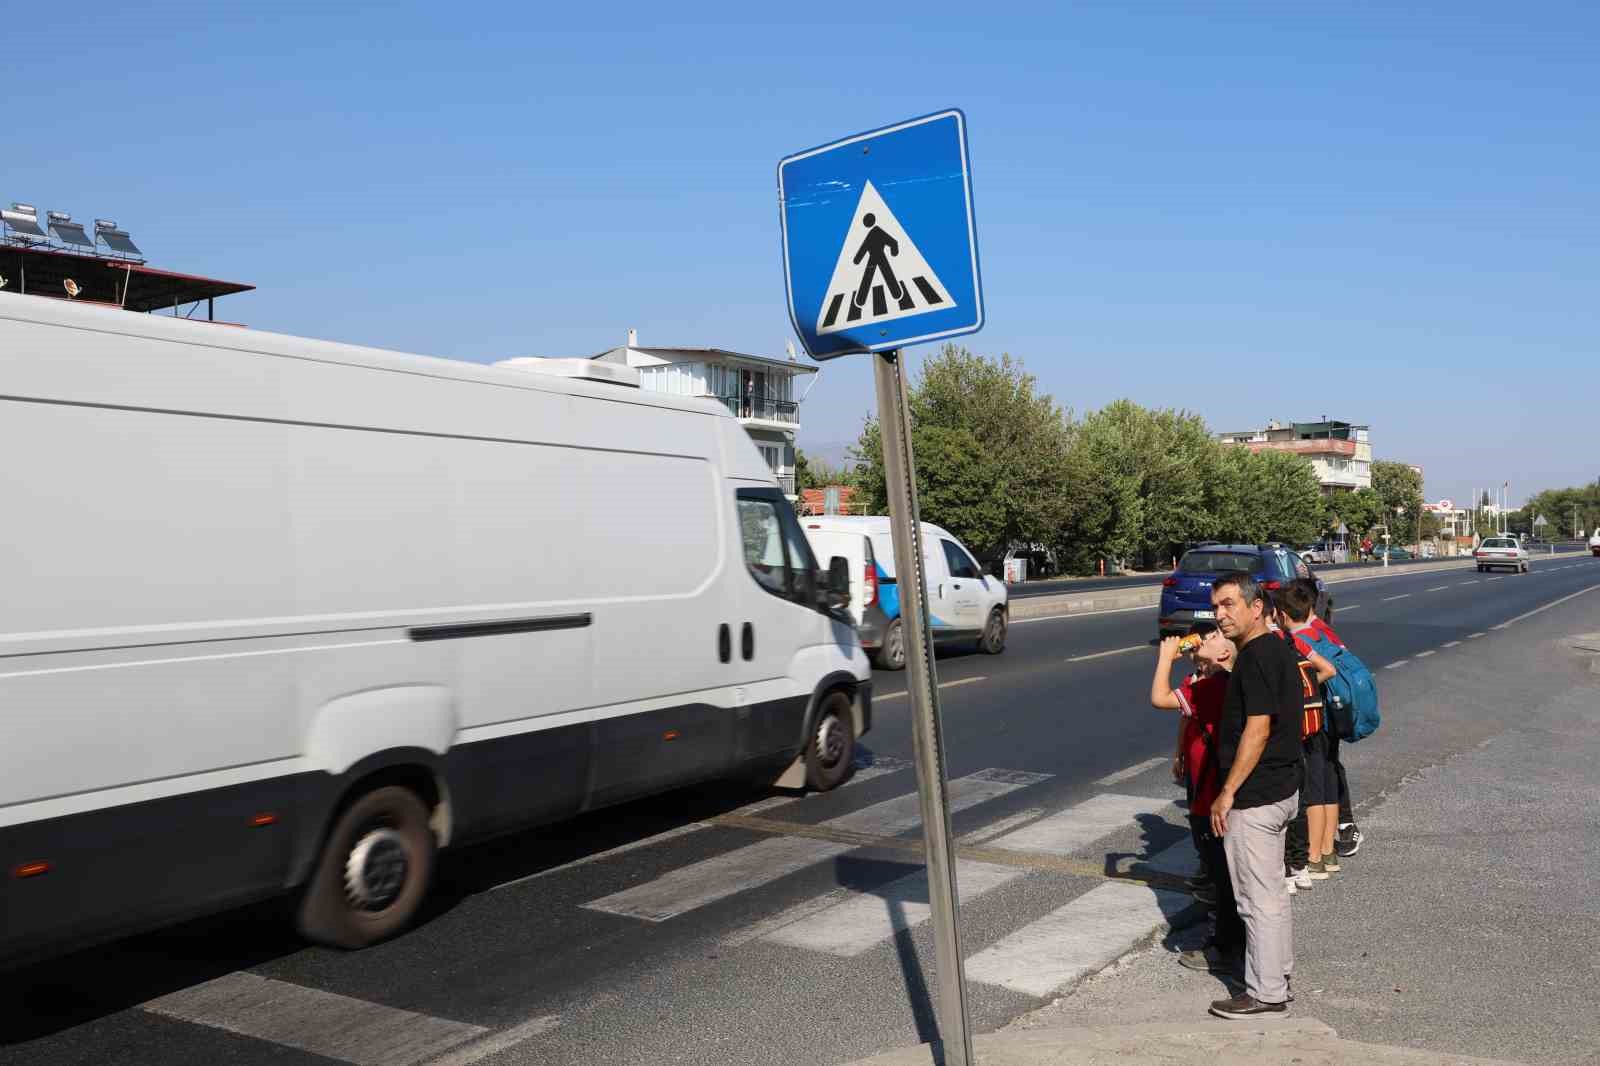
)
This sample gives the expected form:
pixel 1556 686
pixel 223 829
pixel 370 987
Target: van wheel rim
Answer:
pixel 895 645
pixel 830 740
pixel 376 870
pixel 997 630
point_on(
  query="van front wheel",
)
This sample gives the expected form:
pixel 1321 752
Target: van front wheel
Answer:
pixel 993 641
pixel 831 750
pixel 373 871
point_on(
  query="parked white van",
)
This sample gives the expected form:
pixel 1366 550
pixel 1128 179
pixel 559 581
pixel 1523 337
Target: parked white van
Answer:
pixel 962 601
pixel 286 614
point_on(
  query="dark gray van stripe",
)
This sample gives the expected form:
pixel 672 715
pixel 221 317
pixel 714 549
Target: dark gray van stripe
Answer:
pixel 461 630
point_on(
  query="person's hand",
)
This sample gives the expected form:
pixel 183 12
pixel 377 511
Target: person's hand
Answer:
pixel 1177 767
pixel 1219 812
pixel 1168 651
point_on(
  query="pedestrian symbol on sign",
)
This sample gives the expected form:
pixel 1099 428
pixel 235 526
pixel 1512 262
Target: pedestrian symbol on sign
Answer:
pixel 880 275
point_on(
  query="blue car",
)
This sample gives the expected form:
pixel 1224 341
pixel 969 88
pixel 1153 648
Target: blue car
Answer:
pixel 1186 594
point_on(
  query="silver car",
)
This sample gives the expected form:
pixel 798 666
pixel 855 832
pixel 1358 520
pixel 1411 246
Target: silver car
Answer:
pixel 1498 552
pixel 1320 552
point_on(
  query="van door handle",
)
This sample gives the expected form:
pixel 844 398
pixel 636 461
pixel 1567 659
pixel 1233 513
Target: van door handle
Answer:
pixel 724 643
pixel 747 642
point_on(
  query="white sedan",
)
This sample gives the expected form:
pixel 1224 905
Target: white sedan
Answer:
pixel 1496 552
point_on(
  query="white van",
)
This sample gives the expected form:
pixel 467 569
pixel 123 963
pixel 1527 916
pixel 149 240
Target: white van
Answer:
pixel 962 601
pixel 286 614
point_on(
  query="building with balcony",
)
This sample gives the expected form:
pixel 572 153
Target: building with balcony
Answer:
pixel 763 393
pixel 1339 452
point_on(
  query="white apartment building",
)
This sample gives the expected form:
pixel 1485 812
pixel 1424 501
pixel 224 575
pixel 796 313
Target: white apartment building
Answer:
pixel 763 393
pixel 1340 453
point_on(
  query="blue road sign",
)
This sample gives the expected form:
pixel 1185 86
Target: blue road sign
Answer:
pixel 880 248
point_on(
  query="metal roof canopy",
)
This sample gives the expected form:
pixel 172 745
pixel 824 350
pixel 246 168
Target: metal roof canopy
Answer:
pixel 132 286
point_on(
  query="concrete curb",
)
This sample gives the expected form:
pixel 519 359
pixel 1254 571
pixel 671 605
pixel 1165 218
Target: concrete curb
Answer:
pixel 1267 1042
pixel 1103 601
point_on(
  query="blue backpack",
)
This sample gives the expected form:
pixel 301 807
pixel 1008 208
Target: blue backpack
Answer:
pixel 1351 694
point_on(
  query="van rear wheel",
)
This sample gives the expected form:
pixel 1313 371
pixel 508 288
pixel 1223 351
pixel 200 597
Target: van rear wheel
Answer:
pixel 892 656
pixel 373 872
pixel 831 750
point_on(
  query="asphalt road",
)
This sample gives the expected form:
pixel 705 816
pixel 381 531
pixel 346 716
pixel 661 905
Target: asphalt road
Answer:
pixel 1066 585
pixel 653 934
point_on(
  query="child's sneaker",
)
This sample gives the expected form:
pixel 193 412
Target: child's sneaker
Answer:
pixel 1301 878
pixel 1330 863
pixel 1316 871
pixel 1348 840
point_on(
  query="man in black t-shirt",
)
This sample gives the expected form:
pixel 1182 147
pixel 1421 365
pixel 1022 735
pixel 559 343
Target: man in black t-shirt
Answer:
pixel 1259 750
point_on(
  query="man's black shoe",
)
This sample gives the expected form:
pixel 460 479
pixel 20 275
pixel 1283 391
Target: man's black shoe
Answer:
pixel 1245 1006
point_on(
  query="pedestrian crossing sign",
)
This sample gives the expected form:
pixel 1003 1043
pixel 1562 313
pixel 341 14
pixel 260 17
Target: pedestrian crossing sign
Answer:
pixel 880 246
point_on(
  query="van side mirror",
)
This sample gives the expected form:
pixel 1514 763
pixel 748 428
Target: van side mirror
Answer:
pixel 836 594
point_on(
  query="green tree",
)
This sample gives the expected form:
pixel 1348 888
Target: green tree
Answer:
pixel 990 452
pixel 1398 486
pixel 1269 495
pixel 1359 511
pixel 1159 474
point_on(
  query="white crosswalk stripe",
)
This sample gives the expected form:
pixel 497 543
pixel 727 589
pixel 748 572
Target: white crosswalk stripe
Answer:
pixel 754 865
pixel 861 921
pixel 1075 940
pixel 866 920
pixel 1080 825
pixel 323 1023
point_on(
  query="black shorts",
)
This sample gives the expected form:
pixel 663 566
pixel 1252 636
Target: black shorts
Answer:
pixel 1321 784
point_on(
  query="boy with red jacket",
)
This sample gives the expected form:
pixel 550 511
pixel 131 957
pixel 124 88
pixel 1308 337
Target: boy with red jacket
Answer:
pixel 1199 699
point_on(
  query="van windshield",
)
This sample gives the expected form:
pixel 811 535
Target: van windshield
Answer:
pixel 1217 562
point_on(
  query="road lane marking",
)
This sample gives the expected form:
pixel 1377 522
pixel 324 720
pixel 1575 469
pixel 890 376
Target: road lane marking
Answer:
pixel 1474 581
pixel 1352 607
pixel 885 764
pixel 1113 651
pixel 1497 577
pixel 853 926
pixel 1424 654
pixel 1546 607
pixel 1134 771
pixel 1402 596
pixel 1075 940
pixel 1474 636
pixel 943 684
pixel 495 1043
pixel 1396 666
pixel 754 865
pixel 1437 588
pixel 1450 644
pixel 323 1023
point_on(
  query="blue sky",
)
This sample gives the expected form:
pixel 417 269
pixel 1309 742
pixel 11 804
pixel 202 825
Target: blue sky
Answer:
pixel 1252 211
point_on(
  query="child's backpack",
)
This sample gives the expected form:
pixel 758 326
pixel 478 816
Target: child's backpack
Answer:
pixel 1351 695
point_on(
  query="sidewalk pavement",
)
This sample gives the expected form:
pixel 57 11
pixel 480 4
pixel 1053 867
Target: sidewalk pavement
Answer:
pixel 1302 1041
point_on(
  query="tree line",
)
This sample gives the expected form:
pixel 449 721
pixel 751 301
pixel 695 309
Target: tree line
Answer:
pixel 1001 465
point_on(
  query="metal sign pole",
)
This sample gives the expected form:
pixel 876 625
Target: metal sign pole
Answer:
pixel 894 421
